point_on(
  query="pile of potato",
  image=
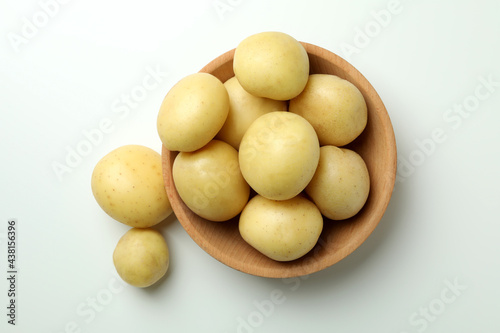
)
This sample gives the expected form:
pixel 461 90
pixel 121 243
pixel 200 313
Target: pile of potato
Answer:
pixel 128 185
pixel 267 146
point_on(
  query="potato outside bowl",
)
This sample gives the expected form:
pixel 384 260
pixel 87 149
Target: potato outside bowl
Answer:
pixel 376 145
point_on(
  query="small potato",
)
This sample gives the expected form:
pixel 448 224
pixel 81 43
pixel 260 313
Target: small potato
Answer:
pixel 141 257
pixel 334 107
pixel 279 154
pixel 341 184
pixel 282 230
pixel 192 112
pixel 209 181
pixel 271 64
pixel 244 108
pixel 128 185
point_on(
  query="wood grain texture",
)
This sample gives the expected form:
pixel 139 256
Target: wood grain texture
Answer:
pixel 377 146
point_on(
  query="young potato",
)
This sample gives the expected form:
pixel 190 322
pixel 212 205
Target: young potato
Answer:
pixel 128 185
pixel 244 108
pixel 141 257
pixel 192 112
pixel 334 107
pixel 341 184
pixel 281 230
pixel 279 154
pixel 209 181
pixel 271 64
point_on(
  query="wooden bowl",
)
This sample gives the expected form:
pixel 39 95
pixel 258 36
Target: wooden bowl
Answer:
pixel 376 145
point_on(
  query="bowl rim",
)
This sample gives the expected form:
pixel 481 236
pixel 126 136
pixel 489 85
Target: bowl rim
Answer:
pixel 218 67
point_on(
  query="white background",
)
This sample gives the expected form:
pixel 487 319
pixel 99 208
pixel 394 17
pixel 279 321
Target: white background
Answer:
pixel 432 265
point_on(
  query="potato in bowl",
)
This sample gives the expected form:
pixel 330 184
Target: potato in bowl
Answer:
pixel 376 145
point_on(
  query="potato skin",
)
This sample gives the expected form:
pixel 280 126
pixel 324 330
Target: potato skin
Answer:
pixel 128 185
pixel 271 64
pixel 282 230
pixel 141 257
pixel 335 108
pixel 209 181
pixel 279 154
pixel 192 112
pixel 244 108
pixel 341 184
